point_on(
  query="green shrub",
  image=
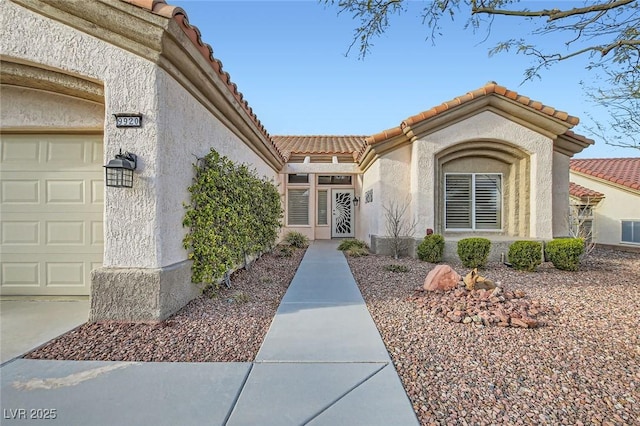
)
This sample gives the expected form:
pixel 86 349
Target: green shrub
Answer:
pixel 473 252
pixel 565 253
pixel 357 251
pixel 232 214
pixel 284 250
pixel 396 268
pixel 296 239
pixel 431 248
pixel 351 243
pixel 525 255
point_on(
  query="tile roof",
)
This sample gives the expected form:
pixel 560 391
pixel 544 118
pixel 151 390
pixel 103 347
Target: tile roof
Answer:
pixel 580 191
pixel 623 171
pixel 319 144
pixel 491 88
pixel 161 8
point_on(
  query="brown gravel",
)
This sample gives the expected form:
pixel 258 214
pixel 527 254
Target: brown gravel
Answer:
pixel 230 327
pixel 582 366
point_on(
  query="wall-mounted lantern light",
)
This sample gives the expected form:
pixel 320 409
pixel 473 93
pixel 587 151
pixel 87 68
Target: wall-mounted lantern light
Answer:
pixel 356 201
pixel 119 171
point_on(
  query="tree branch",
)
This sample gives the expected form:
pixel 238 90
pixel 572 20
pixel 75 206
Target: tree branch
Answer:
pixel 552 14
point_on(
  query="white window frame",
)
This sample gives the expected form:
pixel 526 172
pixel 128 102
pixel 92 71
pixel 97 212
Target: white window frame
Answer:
pixel 474 228
pixel 621 223
pixel 289 210
pixel 327 192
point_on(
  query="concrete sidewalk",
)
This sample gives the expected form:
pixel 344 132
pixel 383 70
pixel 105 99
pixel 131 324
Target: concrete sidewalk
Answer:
pixel 322 363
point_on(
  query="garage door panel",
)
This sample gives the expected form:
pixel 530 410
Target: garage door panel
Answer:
pixel 65 191
pixel 46 274
pixel 51 198
pixel 19 191
pixel 20 232
pixel 19 274
pixel 20 152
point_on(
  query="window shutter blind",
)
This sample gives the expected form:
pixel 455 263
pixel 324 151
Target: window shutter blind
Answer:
pixel 298 207
pixel 487 201
pixel 458 201
pixel 322 207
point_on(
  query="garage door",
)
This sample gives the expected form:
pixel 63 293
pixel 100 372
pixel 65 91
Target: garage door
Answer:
pixel 51 205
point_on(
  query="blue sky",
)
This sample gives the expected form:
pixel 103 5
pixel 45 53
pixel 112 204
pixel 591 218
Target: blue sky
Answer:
pixel 288 59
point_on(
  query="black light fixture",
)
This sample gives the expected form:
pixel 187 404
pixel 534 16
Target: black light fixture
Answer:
pixel 356 201
pixel 119 171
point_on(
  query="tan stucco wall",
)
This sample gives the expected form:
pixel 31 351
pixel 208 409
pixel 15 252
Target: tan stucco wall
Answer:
pixel 37 110
pixel 619 204
pixel 560 195
pixel 370 223
pixel 185 131
pixel 390 179
pixel 487 126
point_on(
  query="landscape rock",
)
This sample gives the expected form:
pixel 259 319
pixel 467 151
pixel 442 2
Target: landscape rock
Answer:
pixel 442 278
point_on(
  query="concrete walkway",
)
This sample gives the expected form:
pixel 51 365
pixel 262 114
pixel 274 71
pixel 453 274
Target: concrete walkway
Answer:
pixel 322 363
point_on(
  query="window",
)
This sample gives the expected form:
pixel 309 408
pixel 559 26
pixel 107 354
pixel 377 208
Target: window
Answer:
pixel 473 201
pixel 298 178
pixel 631 231
pixel 322 207
pixel 298 207
pixel 334 180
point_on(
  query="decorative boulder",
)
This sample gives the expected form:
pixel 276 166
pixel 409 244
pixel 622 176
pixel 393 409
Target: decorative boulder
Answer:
pixel 442 277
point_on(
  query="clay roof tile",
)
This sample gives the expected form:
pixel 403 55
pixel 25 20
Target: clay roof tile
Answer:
pixel 623 171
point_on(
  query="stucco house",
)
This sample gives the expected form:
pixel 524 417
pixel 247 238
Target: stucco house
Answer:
pixel 81 81
pixel 606 192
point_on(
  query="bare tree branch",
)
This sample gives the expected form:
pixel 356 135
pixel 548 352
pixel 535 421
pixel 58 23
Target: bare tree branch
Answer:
pixel 552 14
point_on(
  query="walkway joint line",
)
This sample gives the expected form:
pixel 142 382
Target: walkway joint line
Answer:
pixel 357 385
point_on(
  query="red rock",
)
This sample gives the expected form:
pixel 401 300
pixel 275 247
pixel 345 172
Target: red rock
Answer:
pixel 442 277
pixel 517 322
pixel 519 294
pixel 531 323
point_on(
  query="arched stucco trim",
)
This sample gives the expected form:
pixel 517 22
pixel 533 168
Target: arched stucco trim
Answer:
pixel 16 72
pixel 489 155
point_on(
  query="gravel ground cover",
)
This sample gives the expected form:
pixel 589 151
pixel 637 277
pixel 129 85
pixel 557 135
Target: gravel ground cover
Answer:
pixel 581 366
pixel 229 327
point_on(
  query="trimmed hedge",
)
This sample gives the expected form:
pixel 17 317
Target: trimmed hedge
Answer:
pixel 474 252
pixel 431 248
pixel 565 253
pixel 232 214
pixel 525 255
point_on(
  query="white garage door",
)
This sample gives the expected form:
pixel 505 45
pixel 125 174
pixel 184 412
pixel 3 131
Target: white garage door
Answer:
pixel 51 209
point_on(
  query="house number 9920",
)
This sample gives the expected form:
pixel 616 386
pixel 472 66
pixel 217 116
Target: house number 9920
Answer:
pixel 128 120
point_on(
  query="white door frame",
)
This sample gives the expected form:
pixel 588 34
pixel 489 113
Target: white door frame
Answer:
pixel 342 213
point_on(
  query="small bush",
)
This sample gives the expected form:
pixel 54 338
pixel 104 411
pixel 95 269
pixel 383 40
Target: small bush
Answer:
pixel 296 239
pixel 357 252
pixel 396 268
pixel 351 243
pixel 525 255
pixel 565 253
pixel 473 252
pixel 284 250
pixel 431 248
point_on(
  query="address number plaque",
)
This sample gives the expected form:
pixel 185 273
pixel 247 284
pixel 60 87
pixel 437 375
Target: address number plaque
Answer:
pixel 128 120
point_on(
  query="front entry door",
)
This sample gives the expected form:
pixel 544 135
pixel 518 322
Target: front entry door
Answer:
pixel 342 213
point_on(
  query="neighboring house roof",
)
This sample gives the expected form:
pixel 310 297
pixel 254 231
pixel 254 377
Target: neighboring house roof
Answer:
pixel 583 193
pixel 159 7
pixel 622 171
pixel 319 144
pixel 491 88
